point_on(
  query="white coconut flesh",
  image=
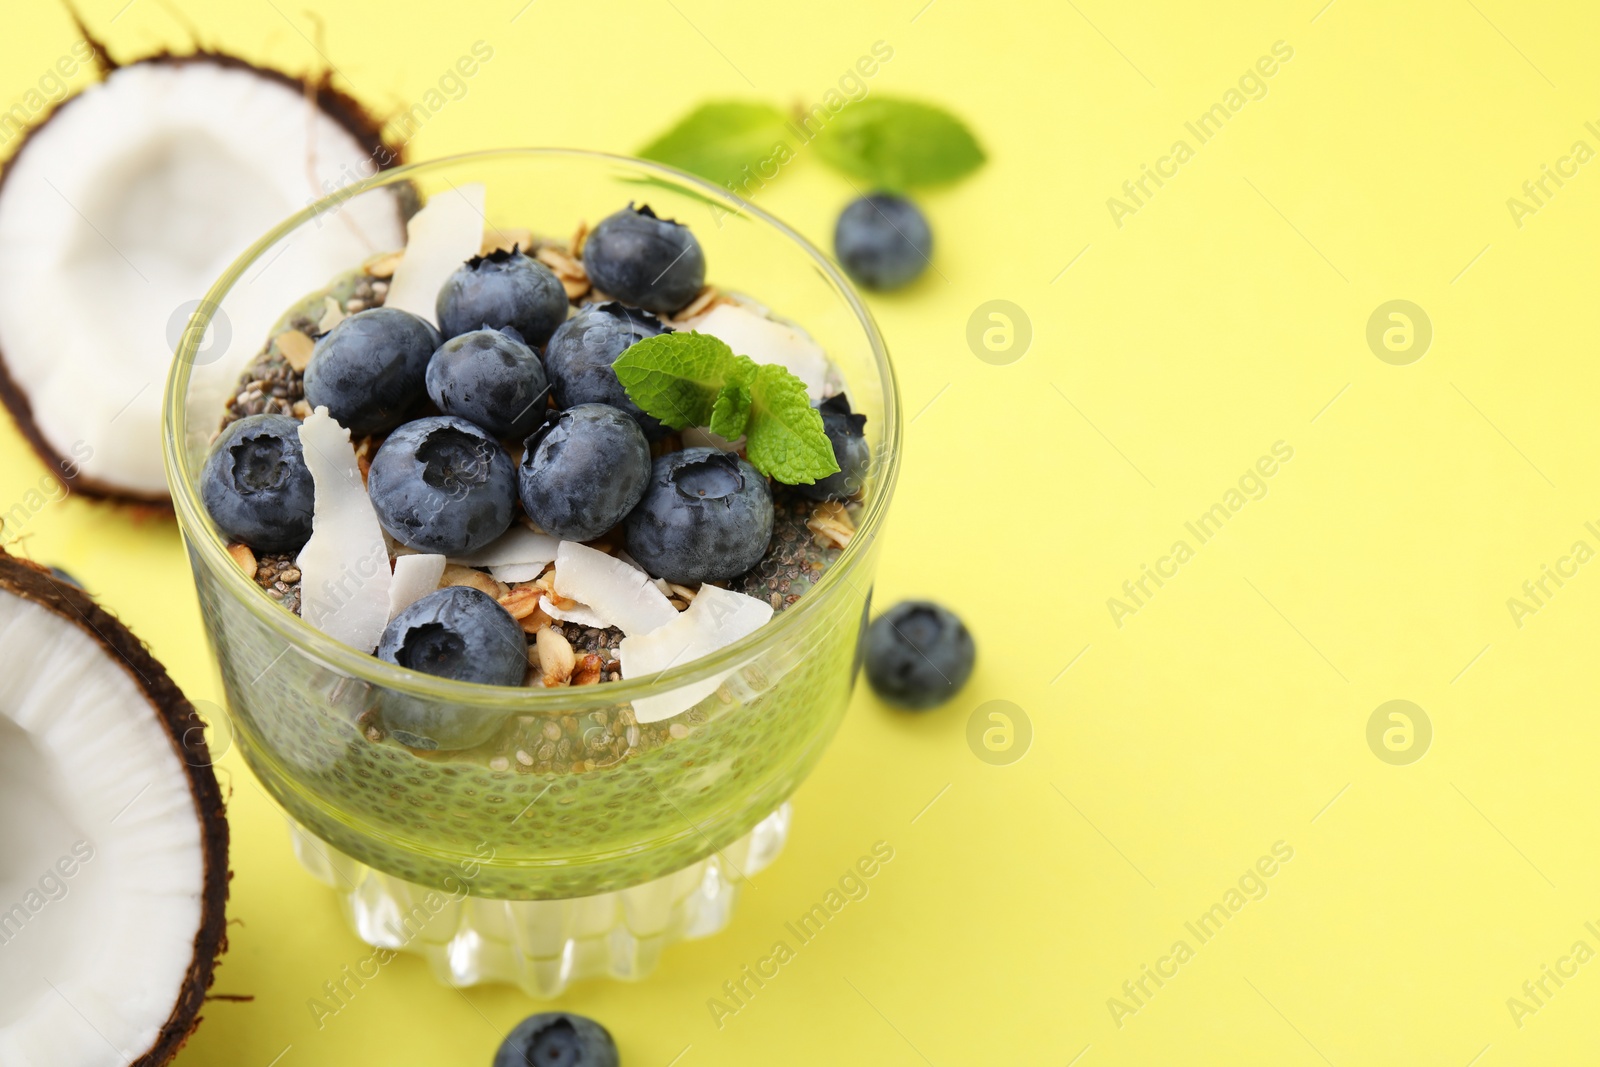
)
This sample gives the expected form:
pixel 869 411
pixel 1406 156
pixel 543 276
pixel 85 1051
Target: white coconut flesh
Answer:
pixel 129 203
pixel 716 619
pixel 102 859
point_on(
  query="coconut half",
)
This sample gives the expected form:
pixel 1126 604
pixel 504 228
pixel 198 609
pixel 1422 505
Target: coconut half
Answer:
pixel 119 211
pixel 115 849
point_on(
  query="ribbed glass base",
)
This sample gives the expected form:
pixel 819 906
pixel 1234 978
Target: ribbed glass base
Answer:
pixel 543 946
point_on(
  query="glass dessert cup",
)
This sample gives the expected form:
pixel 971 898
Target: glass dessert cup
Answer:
pixel 575 842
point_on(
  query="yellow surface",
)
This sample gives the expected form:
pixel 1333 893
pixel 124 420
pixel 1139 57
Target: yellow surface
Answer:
pixel 1226 314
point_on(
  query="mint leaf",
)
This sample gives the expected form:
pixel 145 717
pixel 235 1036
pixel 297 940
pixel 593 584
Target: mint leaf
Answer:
pixel 718 140
pixel 731 412
pixel 742 371
pixel 895 143
pixel 784 439
pixel 694 379
pixel 676 376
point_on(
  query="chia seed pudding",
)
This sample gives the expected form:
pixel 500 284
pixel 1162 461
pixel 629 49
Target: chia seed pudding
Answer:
pixel 575 778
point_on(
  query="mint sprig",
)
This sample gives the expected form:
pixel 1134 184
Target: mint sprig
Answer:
pixel 718 140
pixel 893 144
pixel 694 379
pixel 890 143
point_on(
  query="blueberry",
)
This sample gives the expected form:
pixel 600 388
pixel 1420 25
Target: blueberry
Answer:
pixel 491 379
pixel 918 654
pixel 584 471
pixel 442 485
pixel 557 1039
pixel 429 725
pixel 579 357
pixel 368 370
pixel 706 516
pixel 850 451
pixel 502 289
pixel 256 484
pixel 883 241
pixel 458 633
pixel 656 264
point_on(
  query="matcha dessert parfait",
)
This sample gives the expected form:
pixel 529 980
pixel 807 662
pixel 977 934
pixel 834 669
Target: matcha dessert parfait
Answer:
pixel 534 552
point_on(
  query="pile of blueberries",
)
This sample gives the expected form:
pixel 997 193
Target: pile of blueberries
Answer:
pixel 446 483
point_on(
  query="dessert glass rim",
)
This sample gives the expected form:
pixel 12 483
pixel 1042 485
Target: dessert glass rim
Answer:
pixel 204 538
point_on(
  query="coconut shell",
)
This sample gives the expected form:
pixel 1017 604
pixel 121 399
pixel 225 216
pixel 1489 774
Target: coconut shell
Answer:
pixel 184 728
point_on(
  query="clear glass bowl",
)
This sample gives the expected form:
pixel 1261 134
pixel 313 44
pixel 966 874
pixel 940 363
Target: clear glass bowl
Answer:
pixel 635 804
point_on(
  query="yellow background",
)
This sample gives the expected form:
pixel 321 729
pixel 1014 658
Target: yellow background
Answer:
pixel 1230 712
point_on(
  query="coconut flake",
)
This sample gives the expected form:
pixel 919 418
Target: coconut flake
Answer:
pixel 415 576
pixel 660 583
pixel 344 588
pixel 442 236
pixel 765 340
pixel 717 618
pixel 581 614
pixel 517 572
pixel 518 545
pixel 621 595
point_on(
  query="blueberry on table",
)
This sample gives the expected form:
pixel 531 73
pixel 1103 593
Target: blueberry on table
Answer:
pixel 443 485
pixel 491 379
pixel 368 370
pixel 918 655
pixel 256 485
pixel 583 471
pixel 580 354
pixel 502 289
pixel 883 241
pixel 706 515
pixel 557 1039
pixel 653 263
pixel 845 432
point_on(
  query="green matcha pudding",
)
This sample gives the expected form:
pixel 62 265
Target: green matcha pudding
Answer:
pixel 557 472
